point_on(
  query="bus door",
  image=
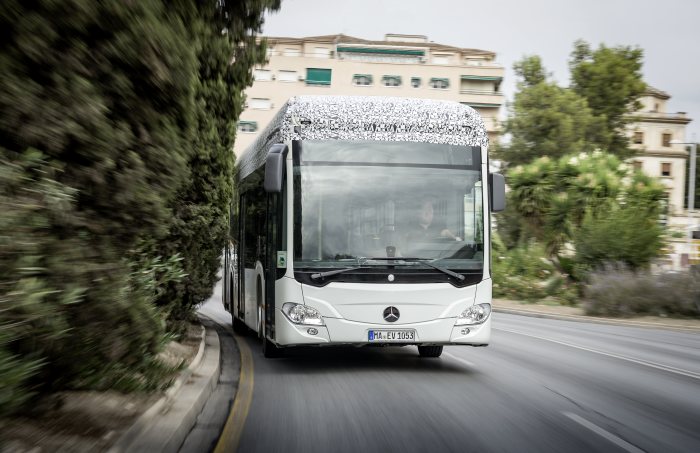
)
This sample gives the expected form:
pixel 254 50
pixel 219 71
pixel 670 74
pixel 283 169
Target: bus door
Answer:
pixel 275 262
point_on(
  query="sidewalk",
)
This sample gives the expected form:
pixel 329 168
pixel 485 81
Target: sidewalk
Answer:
pixel 576 314
pixel 165 425
pixel 77 421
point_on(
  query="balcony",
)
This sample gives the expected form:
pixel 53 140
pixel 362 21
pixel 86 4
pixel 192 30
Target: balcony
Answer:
pixel 662 117
pixel 485 92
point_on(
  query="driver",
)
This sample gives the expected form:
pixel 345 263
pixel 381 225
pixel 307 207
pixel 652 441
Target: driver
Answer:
pixel 426 227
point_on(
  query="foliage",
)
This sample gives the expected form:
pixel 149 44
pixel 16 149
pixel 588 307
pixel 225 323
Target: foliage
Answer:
pixel 553 197
pixel 116 131
pixel 67 309
pixel 530 71
pixel 623 234
pixel 201 209
pixel 14 373
pixel 610 79
pixel 545 119
pixel 548 120
pixel 618 291
pixel 525 273
pixel 104 89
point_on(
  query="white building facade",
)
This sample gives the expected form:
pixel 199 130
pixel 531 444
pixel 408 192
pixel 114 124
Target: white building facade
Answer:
pixel 652 134
pixel 400 65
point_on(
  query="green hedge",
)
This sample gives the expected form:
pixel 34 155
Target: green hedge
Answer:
pixel 116 133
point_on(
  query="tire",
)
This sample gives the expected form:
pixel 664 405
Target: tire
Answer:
pixel 430 351
pixel 239 326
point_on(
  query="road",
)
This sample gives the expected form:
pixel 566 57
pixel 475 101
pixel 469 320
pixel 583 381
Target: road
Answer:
pixel 542 385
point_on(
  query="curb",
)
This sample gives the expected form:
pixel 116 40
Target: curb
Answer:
pixel 593 319
pixel 166 424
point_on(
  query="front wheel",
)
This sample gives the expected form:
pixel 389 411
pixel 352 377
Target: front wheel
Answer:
pixel 430 351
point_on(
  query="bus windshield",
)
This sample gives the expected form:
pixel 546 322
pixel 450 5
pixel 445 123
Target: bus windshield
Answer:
pixel 355 200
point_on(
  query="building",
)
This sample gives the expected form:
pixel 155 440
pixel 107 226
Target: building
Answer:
pixel 652 133
pixel 653 130
pixel 400 65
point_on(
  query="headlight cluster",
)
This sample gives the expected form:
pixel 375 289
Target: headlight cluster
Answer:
pixel 476 314
pixel 301 314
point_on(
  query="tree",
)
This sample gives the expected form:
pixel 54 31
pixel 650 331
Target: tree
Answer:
pixel 96 103
pixel 227 50
pixel 530 71
pixel 610 79
pixel 116 132
pixel 545 119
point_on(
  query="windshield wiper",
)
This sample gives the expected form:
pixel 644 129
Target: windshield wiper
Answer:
pixel 428 262
pixel 334 272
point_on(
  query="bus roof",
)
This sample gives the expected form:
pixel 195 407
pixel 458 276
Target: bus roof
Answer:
pixel 367 118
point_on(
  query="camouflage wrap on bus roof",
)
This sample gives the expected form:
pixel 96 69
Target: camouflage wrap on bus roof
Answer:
pixel 367 118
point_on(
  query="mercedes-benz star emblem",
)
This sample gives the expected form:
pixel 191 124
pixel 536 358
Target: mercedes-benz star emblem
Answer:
pixel 391 314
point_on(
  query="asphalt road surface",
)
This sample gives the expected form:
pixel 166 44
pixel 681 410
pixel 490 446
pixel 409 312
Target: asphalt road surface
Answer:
pixel 542 385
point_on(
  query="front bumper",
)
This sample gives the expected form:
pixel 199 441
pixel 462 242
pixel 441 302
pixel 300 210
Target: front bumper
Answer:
pixel 338 331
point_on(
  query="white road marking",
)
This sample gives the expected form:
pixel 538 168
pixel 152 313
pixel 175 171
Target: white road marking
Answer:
pixel 603 433
pixel 459 359
pixel 658 366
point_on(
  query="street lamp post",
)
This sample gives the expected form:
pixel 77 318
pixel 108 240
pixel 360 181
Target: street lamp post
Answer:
pixel 691 190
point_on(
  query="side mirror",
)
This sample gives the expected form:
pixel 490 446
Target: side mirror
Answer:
pixel 497 192
pixel 274 168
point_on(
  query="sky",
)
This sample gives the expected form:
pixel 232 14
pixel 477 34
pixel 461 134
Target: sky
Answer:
pixel 667 31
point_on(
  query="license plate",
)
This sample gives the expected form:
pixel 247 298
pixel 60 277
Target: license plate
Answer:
pixel 392 335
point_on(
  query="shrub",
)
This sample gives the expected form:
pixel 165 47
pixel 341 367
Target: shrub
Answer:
pixel 626 234
pixel 117 121
pixel 620 292
pixel 68 311
pixel 524 273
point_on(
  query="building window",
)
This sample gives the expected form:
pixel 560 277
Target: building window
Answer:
pixel 415 82
pixel 362 80
pixel 440 84
pixel 441 59
pixel 318 76
pixel 322 52
pixel 638 138
pixel 665 169
pixel 263 75
pixel 260 104
pixel 391 81
pixel 291 52
pixel 637 165
pixel 287 76
pixel 666 140
pixel 247 126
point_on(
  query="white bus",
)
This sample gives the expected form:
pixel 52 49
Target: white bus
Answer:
pixel 364 221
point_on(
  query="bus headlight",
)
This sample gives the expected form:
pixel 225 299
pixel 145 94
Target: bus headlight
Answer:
pixel 301 314
pixel 476 314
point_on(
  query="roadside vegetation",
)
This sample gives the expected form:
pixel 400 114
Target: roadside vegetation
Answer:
pixel 622 292
pixel 579 221
pixel 117 122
